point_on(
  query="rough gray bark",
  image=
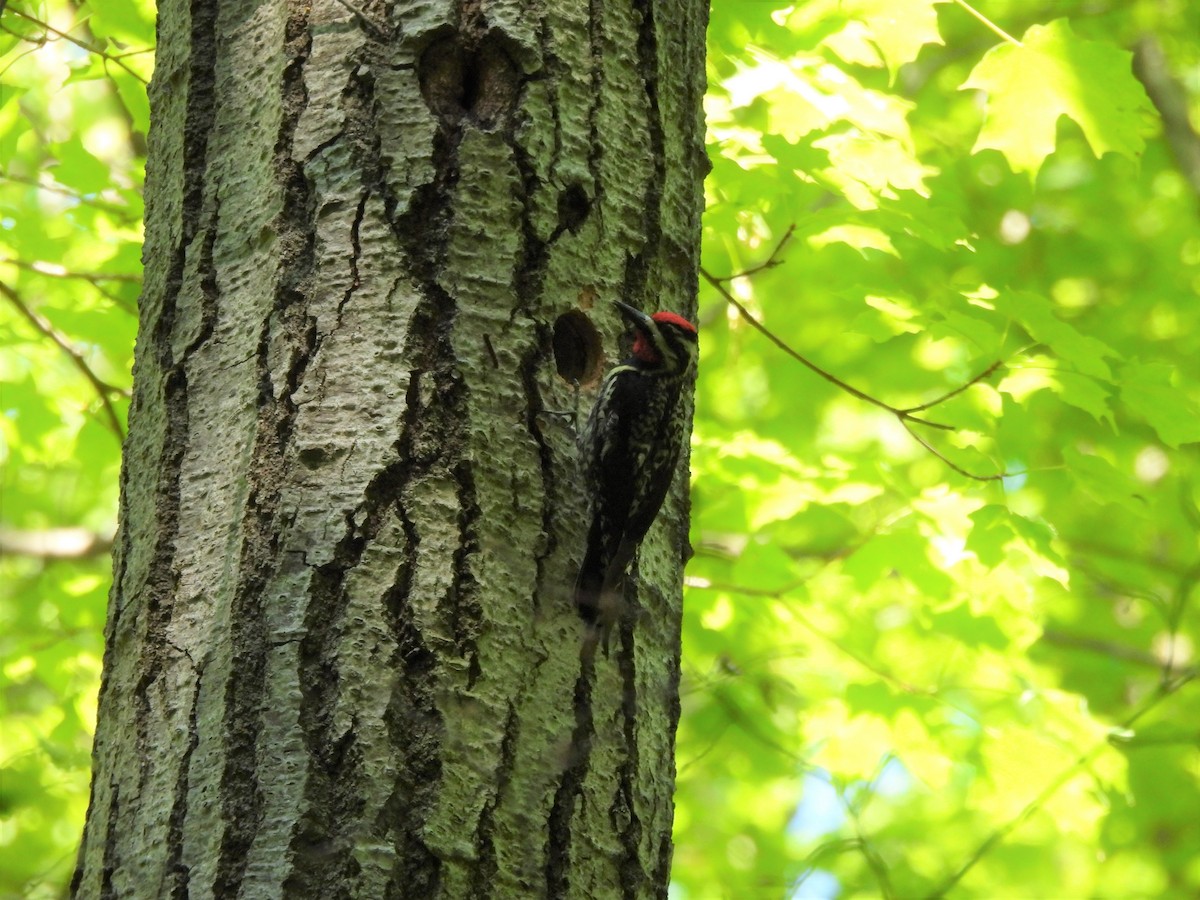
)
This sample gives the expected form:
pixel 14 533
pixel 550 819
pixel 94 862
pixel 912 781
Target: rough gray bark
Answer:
pixel 341 654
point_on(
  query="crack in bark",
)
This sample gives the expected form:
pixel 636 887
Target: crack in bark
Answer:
pixel 462 607
pixel 562 810
pixel 483 878
pixel 666 847
pixel 162 584
pixel 623 811
pixel 239 792
pixel 355 254
pixel 638 266
pixel 530 365
pixel 431 440
pixel 412 718
pixel 156 596
pixel 322 847
pixel 551 71
pixel 199 118
pixel 111 843
pixel 596 72
pixel 414 723
pixel 530 273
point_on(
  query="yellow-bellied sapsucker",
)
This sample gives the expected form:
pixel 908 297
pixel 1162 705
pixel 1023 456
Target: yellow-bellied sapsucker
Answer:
pixel 629 449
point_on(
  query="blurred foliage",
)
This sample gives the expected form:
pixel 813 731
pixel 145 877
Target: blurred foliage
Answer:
pixel 941 625
pixel 925 661
pixel 73 118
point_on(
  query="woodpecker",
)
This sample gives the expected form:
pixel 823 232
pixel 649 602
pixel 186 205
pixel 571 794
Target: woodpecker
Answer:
pixel 628 452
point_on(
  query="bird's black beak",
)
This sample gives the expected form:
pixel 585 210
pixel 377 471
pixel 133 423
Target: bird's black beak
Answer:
pixel 635 316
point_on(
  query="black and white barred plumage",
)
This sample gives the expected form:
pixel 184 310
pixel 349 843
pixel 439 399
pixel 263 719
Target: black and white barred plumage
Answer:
pixel 629 450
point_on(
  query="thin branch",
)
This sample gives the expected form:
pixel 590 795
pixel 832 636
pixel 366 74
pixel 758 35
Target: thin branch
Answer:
pixel 54 543
pixel 958 390
pixel 95 279
pixel 1108 649
pixel 52 270
pixel 1172 739
pixel 112 208
pixel 103 390
pixel 803 360
pixel 998 476
pixel 770 262
pixel 1088 544
pixel 380 34
pixel 1170 99
pixel 992 26
pixel 895 681
pixel 874 860
pixel 831 847
pixel 90 48
pixel 905 416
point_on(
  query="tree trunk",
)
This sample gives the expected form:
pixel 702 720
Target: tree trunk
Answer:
pixel 342 658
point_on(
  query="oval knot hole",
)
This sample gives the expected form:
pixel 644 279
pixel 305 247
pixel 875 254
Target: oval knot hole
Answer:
pixel 578 349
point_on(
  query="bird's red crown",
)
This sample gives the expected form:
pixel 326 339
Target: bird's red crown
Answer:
pixel 674 319
pixel 643 347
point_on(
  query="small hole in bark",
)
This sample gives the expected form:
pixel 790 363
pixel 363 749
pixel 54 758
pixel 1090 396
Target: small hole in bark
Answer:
pixel 471 78
pixel 573 208
pixel 480 81
pixel 578 350
pixel 441 75
pixel 313 457
pixel 490 84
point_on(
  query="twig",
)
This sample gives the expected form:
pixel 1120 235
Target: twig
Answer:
pixel 805 361
pixel 958 390
pixel 52 270
pixel 111 208
pixel 905 416
pixel 882 674
pixel 1108 649
pixel 54 543
pixel 380 34
pixel 1004 35
pixel 874 860
pixel 998 476
pixel 769 263
pixel 90 48
pixel 103 390
pixel 1170 99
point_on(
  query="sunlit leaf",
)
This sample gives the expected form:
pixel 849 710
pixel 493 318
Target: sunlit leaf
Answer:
pixel 1056 73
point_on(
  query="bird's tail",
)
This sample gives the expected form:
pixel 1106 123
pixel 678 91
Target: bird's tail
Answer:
pixel 599 589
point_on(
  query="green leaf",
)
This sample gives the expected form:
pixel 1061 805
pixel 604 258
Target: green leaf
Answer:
pixel 28 407
pixel 1149 390
pixel 969 628
pixel 866 169
pixel 897 28
pixel 79 169
pixel 990 535
pixel 1104 481
pixel 129 20
pixel 1035 315
pixel 133 95
pixel 1039 373
pixel 902 552
pixel 861 237
pixel 1056 73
